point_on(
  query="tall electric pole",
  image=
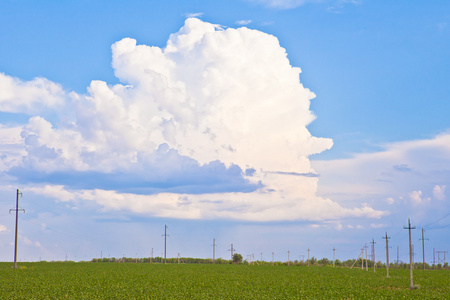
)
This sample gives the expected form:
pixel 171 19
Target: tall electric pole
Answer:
pixel 373 254
pixel 165 243
pixel 397 256
pixel 411 286
pixel 334 249
pixel 214 251
pixel 261 259
pixel 17 226
pixel 423 250
pixel 273 258
pixel 288 257
pixel 365 247
pixel 308 257
pixel 387 255
pixel 362 258
pixel 231 249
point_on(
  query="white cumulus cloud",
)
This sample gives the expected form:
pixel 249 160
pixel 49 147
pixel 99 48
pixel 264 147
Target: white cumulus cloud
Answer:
pixel 439 192
pixel 213 101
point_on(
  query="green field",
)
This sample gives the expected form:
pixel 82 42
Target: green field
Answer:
pixel 68 280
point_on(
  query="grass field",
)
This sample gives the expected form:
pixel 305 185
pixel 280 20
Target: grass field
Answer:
pixel 68 280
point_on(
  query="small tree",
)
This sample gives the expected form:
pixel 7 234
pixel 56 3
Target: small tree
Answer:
pixel 237 258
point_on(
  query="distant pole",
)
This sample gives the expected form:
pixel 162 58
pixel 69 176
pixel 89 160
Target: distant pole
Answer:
pixel 365 247
pixel 288 258
pixel 231 250
pixel 101 256
pixel 434 259
pixel 373 254
pixel 273 258
pixel 151 257
pixel 362 258
pixel 423 250
pixel 261 258
pixel 387 255
pixel 214 251
pixel 411 286
pixel 397 256
pixel 17 226
pixel 334 249
pixel 308 257
pixel 165 243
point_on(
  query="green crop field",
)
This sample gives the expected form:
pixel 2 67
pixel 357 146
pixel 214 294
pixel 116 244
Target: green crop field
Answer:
pixel 68 280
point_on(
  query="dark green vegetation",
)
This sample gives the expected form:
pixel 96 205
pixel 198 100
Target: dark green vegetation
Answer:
pixel 68 280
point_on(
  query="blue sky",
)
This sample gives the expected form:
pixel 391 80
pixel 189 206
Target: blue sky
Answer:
pixel 272 125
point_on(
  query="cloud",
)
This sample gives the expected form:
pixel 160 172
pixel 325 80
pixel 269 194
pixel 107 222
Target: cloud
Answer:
pixel 390 200
pixel 393 172
pixel 373 225
pixel 194 15
pixel 213 125
pixel 29 97
pixel 3 228
pixel 439 192
pixel 284 4
pixel 339 5
pixel 243 22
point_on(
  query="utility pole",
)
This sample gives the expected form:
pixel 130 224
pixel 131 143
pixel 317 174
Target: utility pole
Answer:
pixel 308 257
pixel 261 259
pixel 411 286
pixel 434 259
pixel 387 255
pixel 231 249
pixel 365 247
pixel 288 257
pixel 214 251
pixel 273 258
pixel 362 258
pixel 423 250
pixel 17 225
pixel 333 256
pixel 165 243
pixel 373 254
pixel 397 256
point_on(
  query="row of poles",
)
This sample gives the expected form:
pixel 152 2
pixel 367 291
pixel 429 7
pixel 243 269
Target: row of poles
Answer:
pixel 409 227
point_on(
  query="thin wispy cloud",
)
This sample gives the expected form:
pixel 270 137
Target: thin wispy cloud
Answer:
pixel 243 22
pixel 284 4
pixel 194 15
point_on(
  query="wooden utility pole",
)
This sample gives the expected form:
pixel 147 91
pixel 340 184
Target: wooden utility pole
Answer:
pixel 273 258
pixel 17 226
pixel 214 251
pixel 308 257
pixel 288 258
pixel 423 250
pixel 334 249
pixel 231 249
pixel 411 286
pixel 373 254
pixel 362 258
pixel 165 243
pixel 387 255
pixel 397 256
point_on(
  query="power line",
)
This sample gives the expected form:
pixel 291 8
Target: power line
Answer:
pixel 437 221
